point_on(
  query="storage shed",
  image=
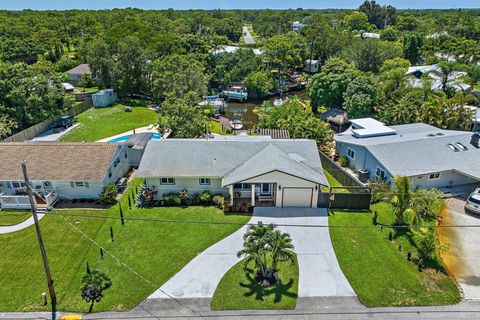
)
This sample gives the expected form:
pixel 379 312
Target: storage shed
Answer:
pixel 104 98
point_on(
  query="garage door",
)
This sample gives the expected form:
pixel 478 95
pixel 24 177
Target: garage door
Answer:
pixel 297 197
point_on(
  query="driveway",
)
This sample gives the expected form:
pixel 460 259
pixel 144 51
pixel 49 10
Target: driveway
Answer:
pixel 247 36
pixel 319 272
pixel 462 256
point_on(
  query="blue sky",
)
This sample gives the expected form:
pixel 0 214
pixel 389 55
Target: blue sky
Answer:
pixel 225 4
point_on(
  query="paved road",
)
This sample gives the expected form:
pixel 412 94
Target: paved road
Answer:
pixel 319 272
pixel 22 225
pixel 247 36
pixel 462 256
pixel 307 308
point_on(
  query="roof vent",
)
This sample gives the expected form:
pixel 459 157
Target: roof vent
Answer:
pixel 451 146
pixel 440 134
pixel 431 135
pixel 461 146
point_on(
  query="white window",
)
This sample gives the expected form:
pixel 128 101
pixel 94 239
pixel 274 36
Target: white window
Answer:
pixel 380 173
pixel 18 184
pixel 204 181
pixel 242 186
pixel 167 180
pixel 351 153
pixel 434 176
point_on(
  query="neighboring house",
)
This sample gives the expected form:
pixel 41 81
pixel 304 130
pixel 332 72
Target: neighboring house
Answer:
pixel 58 171
pixel 104 98
pixel 75 74
pixel 312 66
pixel 297 26
pixel 267 172
pixel 436 83
pixel 369 35
pixel 233 49
pixel 432 157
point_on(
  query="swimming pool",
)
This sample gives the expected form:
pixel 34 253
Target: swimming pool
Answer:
pixel 155 136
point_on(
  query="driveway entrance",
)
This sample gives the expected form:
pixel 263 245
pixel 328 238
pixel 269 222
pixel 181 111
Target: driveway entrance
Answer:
pixel 319 272
pixel 462 256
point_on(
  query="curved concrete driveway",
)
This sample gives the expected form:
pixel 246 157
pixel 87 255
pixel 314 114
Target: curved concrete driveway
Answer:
pixel 320 274
pixel 20 226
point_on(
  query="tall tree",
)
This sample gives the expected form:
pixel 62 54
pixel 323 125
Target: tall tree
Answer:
pixel 131 67
pixel 412 44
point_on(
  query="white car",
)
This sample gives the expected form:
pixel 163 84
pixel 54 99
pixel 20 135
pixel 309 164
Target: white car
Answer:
pixel 473 202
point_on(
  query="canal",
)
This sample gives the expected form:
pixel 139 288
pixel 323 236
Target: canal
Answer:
pixel 248 110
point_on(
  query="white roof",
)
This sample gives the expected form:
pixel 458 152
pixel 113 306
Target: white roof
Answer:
pixel 67 86
pixel 370 35
pixel 369 127
pixel 423 69
pixel 232 49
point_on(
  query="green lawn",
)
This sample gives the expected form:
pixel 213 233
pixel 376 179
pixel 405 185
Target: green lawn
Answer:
pixel 148 254
pixel 333 183
pixel 239 291
pixel 87 90
pixel 378 271
pixel 100 123
pixel 11 217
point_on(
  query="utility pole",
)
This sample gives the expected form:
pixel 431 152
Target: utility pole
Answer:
pixel 53 296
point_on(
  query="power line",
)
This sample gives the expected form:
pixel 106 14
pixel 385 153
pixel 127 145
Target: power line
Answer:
pixel 60 213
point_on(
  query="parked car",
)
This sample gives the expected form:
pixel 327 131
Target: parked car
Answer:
pixel 473 202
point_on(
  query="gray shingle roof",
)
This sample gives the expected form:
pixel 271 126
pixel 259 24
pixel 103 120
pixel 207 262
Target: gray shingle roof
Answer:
pixel 235 160
pixel 419 148
pixel 80 69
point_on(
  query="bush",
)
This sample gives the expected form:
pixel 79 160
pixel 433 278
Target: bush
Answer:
pixel 206 197
pixel 195 199
pixel 109 193
pixel 344 162
pixel 184 198
pixel 86 81
pixel 171 199
pixel 218 200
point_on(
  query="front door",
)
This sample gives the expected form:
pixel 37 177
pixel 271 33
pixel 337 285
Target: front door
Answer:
pixel 266 189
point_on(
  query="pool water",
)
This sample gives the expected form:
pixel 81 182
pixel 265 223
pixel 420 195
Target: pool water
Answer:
pixel 155 136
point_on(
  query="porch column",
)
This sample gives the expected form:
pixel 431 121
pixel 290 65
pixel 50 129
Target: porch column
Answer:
pixel 230 190
pixel 253 194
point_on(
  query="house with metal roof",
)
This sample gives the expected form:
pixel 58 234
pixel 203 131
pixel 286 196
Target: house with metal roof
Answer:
pixel 267 172
pixel 432 157
pixel 58 171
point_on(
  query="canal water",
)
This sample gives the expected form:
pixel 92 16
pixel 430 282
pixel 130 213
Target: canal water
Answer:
pixel 248 110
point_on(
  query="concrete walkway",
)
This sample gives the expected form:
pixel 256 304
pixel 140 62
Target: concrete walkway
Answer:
pixel 319 272
pixel 22 225
pixel 247 36
pixel 52 136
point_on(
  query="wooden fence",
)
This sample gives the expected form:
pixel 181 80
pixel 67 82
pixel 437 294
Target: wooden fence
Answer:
pixel 35 130
pixel 358 198
pixel 343 176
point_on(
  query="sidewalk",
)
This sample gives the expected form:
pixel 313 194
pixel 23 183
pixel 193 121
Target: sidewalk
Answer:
pixel 22 225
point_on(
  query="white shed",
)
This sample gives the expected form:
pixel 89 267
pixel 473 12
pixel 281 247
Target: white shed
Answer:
pixel 312 66
pixel 104 98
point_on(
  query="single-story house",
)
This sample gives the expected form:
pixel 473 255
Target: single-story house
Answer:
pixel 455 81
pixel 104 98
pixel 297 26
pixel 58 171
pixel 369 35
pixel 75 74
pixel 267 172
pixel 431 157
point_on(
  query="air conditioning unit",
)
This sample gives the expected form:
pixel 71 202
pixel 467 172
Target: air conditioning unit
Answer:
pixel 363 175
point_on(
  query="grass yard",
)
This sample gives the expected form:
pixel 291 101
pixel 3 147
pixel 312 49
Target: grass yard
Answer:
pixel 100 123
pixel 143 255
pixel 12 217
pixel 238 291
pixel 333 183
pixel 378 271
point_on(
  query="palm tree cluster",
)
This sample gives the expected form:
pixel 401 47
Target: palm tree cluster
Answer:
pixel 266 246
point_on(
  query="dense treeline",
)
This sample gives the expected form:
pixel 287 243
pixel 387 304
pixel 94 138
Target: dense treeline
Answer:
pixel 167 54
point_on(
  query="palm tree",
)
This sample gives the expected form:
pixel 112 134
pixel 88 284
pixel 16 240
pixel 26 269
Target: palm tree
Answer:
pixel 445 73
pixel 254 252
pixel 427 245
pixel 281 248
pixel 473 75
pixel 401 201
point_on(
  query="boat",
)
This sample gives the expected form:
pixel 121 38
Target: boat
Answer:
pixel 236 122
pixel 215 101
pixel 236 92
pixel 279 102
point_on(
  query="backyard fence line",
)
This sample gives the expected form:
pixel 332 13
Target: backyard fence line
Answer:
pixel 35 130
pixel 342 176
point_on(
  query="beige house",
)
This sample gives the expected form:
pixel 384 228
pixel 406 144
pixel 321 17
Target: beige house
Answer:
pixel 266 172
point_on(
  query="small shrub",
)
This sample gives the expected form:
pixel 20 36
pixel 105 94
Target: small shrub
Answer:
pixel 109 193
pixel 218 201
pixel 184 198
pixel 86 81
pixel 375 218
pixel 171 199
pixel 409 256
pixel 343 161
pixel 206 197
pixel 390 236
pixel 195 199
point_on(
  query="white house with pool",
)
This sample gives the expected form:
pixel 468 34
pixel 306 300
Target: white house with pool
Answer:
pixel 260 172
